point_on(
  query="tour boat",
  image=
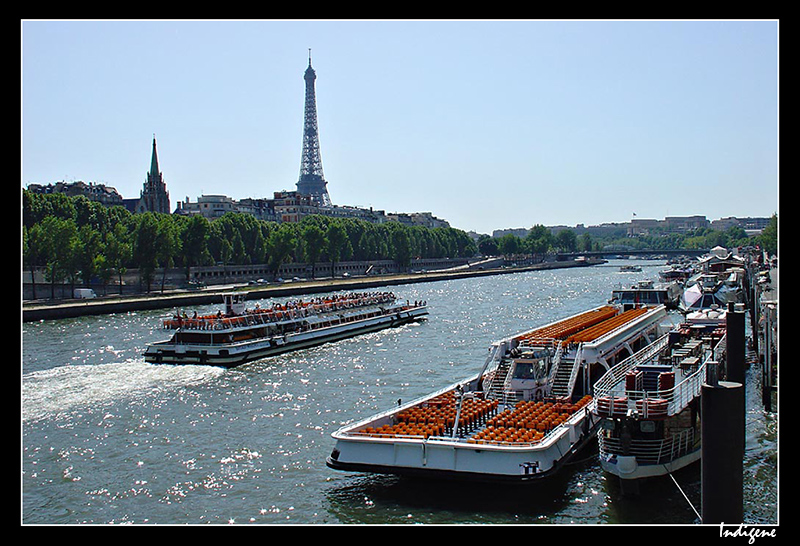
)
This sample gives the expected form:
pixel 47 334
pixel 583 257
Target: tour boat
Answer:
pixel 677 273
pixel 708 290
pixel 239 335
pixel 649 404
pixel 520 419
pixel 647 292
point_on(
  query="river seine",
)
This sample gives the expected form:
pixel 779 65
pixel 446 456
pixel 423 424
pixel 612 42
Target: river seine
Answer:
pixel 109 439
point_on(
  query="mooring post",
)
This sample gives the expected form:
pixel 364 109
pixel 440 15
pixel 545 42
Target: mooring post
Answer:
pixel 722 460
pixel 735 346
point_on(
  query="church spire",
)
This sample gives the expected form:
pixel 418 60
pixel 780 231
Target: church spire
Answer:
pixel 154 196
pixel 154 161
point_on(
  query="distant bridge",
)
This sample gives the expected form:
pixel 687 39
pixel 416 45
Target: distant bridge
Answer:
pixel 617 252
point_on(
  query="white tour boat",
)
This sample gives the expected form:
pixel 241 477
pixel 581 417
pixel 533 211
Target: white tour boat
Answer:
pixel 649 404
pixel 240 335
pixel 524 415
pixel 647 292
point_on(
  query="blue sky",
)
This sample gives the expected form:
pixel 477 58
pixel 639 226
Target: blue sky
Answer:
pixel 487 124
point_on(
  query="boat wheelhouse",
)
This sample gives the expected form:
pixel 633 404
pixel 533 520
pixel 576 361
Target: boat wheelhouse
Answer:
pixel 649 404
pixel 677 273
pixel 520 418
pixel 240 335
pixel 647 292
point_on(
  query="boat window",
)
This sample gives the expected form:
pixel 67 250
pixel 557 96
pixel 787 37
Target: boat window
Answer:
pixel 647 426
pixel 524 370
pixel 530 369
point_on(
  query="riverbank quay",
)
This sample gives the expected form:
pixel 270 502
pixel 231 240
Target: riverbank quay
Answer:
pixel 35 311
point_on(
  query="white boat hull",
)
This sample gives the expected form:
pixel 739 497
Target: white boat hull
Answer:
pixel 451 458
pixel 474 452
pixel 237 353
pixel 627 468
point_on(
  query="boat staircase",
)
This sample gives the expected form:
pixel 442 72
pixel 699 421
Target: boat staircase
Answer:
pixel 499 388
pixel 563 374
pixel 563 381
pixel 562 378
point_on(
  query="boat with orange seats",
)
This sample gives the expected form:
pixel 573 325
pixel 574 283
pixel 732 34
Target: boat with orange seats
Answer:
pixel 519 419
pixel 649 404
pixel 240 335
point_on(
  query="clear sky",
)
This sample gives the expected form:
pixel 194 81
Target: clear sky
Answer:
pixel 487 124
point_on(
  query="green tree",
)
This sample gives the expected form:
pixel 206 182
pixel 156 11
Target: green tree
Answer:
pixel 539 240
pixel 401 246
pixel 566 240
pixel 314 243
pixel 119 251
pixel 338 243
pixel 167 244
pixel 89 248
pixel 194 243
pixel 487 245
pixel 585 243
pixel 59 242
pixel 145 247
pixel 509 244
pixel 34 251
pixel 768 239
pixel 280 245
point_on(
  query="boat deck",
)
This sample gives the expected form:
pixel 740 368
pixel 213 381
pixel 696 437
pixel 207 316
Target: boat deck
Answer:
pixel 665 376
pixel 278 313
pixel 585 327
pixel 480 421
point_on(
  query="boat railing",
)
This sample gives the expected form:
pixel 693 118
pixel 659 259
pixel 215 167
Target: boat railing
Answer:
pixel 465 439
pixel 556 360
pixel 289 312
pixel 573 376
pixel 678 397
pixel 649 452
pixel 252 318
pixel 657 403
pixel 616 375
pixel 509 395
pixel 719 349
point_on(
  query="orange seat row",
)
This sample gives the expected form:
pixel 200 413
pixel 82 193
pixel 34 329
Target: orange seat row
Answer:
pixel 442 409
pixel 606 326
pixel 403 429
pixel 506 436
pixel 567 327
pixel 541 416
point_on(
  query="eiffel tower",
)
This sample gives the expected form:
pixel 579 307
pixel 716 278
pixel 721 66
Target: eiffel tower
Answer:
pixel 312 181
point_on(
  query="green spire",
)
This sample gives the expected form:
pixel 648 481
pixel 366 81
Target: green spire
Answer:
pixel 154 161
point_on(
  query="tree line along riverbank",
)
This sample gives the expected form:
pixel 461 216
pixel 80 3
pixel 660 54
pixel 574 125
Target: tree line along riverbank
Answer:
pixel 184 299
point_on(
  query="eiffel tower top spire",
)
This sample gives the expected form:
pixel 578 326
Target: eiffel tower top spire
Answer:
pixel 312 180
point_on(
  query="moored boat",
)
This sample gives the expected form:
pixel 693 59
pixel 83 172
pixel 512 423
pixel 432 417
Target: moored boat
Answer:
pixel 677 273
pixel 647 292
pixel 649 404
pixel 707 291
pixel 520 418
pixel 239 335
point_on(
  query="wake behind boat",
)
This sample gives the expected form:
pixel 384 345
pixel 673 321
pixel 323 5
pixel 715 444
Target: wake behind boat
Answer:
pixel 524 415
pixel 240 335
